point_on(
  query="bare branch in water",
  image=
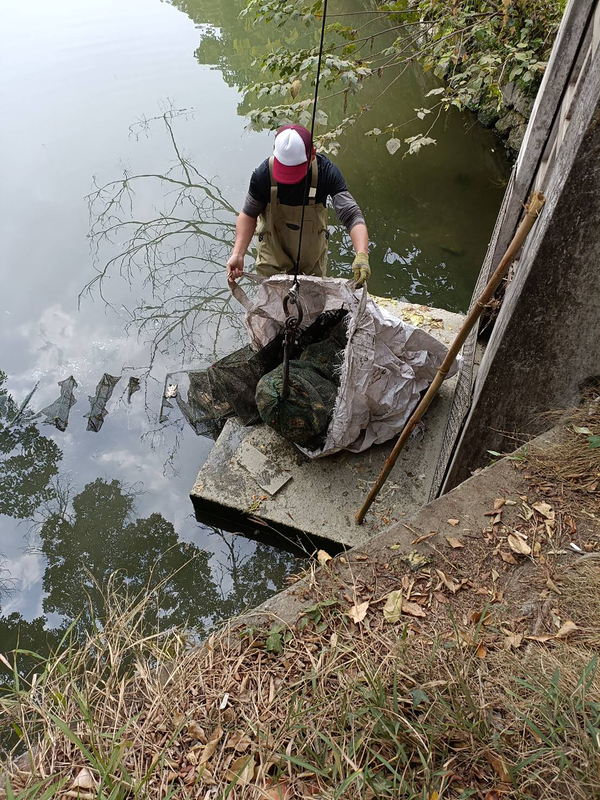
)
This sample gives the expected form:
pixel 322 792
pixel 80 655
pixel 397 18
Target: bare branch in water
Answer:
pixel 176 255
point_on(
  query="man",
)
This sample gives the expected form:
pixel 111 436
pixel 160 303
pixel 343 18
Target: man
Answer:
pixel 275 200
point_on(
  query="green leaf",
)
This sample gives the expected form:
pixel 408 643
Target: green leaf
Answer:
pixel 419 696
pixel 594 442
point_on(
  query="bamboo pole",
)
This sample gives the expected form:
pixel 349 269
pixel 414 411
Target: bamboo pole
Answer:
pixel 532 212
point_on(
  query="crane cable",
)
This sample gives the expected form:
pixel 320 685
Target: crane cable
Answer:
pixel 312 131
pixel 293 321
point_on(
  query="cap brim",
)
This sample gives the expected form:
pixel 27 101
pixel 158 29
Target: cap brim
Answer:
pixel 285 174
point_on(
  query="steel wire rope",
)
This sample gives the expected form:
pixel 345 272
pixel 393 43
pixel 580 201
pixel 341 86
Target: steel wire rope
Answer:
pixel 312 131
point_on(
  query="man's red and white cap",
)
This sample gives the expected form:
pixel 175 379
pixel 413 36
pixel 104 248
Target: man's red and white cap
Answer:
pixel 292 153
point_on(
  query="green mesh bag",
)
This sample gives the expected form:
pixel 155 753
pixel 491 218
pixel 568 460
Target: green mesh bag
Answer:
pixel 304 416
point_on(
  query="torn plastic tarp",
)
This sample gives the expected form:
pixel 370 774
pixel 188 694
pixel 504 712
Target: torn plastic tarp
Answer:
pixel 98 411
pixel 57 413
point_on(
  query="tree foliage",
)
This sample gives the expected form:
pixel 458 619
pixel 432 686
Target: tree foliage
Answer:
pixel 476 46
pixel 28 460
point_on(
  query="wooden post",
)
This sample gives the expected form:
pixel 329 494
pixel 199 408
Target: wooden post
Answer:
pixel 532 211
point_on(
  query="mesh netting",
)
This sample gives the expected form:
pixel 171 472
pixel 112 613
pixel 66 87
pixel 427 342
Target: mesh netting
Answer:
pixel 228 387
pixel 303 416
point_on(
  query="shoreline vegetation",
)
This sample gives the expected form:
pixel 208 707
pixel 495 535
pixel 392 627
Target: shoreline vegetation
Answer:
pixel 491 55
pixel 407 680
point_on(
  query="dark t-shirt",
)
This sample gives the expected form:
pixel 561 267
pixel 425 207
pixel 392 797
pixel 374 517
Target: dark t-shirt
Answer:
pixel 330 183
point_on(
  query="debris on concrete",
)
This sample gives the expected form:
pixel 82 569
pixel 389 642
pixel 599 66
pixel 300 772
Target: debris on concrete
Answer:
pixel 265 472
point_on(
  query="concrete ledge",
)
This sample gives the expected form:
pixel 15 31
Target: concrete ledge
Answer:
pixel 323 495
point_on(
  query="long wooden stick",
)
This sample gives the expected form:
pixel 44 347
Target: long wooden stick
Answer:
pixel 532 212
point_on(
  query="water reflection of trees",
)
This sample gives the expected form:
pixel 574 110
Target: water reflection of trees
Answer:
pixel 28 460
pixel 178 254
pixel 99 535
pixel 96 534
pixel 87 535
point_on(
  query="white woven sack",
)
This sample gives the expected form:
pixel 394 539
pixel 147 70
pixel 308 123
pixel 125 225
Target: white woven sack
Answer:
pixel 386 366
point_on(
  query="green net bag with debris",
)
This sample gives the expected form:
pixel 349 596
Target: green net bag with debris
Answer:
pixel 304 415
pixel 228 387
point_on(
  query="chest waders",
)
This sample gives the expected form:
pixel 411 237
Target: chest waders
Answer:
pixel 278 230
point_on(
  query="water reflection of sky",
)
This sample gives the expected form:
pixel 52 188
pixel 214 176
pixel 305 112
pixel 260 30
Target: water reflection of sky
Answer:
pixel 77 76
pixel 80 74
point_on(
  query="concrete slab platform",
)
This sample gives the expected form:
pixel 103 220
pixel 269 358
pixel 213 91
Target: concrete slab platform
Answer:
pixel 323 495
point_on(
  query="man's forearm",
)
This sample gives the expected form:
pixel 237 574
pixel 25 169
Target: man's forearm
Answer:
pixel 360 238
pixel 244 231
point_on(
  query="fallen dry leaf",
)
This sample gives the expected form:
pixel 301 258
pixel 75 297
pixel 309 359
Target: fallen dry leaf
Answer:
pixel 499 766
pixel 195 731
pixel 513 640
pixel 424 537
pixel 241 770
pixel 566 630
pixel 517 545
pixel 508 558
pixel 544 637
pixel 84 780
pixel 481 652
pixel 358 612
pixel 211 745
pixel 323 557
pixel 392 611
pixel 499 502
pixel 448 582
pixel 544 509
pixel 413 609
pixel 281 791
pixel 477 617
pixel 239 741
pixel 453 522
pixel 455 543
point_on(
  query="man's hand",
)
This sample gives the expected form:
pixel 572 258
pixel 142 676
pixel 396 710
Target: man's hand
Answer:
pixel 235 266
pixel 361 269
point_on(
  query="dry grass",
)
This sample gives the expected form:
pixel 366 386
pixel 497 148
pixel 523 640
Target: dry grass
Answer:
pixel 574 459
pixel 329 709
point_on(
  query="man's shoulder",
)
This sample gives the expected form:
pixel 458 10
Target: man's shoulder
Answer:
pixel 324 162
pixel 332 176
pixel 263 169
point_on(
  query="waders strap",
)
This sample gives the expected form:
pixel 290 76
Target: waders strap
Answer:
pixel 273 185
pixel 314 179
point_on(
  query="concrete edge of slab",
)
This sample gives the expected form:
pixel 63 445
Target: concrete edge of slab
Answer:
pixel 470 500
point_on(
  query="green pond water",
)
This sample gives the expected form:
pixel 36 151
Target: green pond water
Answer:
pixel 84 87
